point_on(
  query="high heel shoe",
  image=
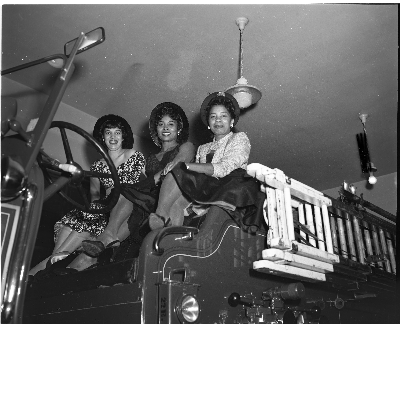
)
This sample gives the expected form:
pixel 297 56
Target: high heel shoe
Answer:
pixel 94 248
pixel 157 221
pixel 59 256
pixel 56 266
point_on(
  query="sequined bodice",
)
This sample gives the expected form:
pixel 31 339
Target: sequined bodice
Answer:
pixel 128 172
pixel 153 165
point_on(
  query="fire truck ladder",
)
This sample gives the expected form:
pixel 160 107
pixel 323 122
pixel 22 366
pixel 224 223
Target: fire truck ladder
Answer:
pixel 313 237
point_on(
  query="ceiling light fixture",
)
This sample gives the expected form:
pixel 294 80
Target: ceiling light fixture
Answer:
pixel 366 165
pixel 245 94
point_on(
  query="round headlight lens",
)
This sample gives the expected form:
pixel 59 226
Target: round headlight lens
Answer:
pixel 188 309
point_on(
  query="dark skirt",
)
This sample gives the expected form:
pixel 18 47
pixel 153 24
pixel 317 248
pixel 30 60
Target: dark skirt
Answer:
pixel 144 198
pixel 238 193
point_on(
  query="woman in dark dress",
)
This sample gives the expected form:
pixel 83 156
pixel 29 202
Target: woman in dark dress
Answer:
pixel 115 135
pixel 218 177
pixel 169 129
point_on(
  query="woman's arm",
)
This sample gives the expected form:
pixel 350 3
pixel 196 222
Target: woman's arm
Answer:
pixel 95 182
pixel 205 168
pixel 94 189
pixel 186 154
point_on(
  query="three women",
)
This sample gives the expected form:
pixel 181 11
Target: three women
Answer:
pixel 173 181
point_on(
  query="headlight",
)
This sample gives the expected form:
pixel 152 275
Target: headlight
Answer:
pixel 188 309
pixel 12 178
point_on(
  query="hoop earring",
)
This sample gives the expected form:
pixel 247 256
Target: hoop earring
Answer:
pixel 208 127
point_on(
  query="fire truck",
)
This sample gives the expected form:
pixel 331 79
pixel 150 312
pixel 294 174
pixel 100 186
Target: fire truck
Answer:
pixel 314 260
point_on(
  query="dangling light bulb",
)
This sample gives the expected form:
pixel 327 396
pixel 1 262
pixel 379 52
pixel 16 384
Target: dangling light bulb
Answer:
pixel 245 94
pixel 372 179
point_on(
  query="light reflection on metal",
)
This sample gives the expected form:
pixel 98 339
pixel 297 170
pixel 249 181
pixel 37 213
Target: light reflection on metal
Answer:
pixel 188 309
pixel 56 63
pixel 13 178
pixel 14 289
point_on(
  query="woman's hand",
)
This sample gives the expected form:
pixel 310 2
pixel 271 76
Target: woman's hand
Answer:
pixel 168 167
pixel 163 172
pixel 203 168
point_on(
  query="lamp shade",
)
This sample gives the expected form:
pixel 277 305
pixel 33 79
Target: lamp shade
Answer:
pixel 245 94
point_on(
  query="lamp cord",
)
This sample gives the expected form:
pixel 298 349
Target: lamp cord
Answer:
pixel 241 53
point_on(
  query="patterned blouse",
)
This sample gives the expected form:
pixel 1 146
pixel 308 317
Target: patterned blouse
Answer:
pixel 128 172
pixel 231 152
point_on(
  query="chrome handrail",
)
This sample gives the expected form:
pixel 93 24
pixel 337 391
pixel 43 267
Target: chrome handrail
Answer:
pixel 15 285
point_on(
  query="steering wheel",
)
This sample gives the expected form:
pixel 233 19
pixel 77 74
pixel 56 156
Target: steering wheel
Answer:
pixel 78 174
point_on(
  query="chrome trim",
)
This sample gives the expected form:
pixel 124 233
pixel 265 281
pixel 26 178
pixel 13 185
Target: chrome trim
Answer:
pixel 188 231
pixel 13 178
pixel 15 285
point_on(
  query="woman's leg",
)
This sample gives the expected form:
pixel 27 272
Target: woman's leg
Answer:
pixel 169 194
pixel 123 231
pixel 117 222
pixel 82 261
pixel 177 211
pixel 171 204
pixel 39 267
pixel 61 237
pixel 73 241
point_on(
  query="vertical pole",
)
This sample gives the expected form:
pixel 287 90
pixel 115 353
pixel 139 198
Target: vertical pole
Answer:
pixel 350 237
pixel 289 214
pixel 334 232
pixel 359 240
pixel 375 241
pixel 391 255
pixel 342 235
pixel 367 238
pixel 310 223
pixel 281 214
pixel 318 226
pixel 384 249
pixel 302 219
pixel 327 228
pixel 272 218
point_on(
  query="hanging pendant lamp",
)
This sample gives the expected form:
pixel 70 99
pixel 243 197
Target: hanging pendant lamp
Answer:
pixel 245 94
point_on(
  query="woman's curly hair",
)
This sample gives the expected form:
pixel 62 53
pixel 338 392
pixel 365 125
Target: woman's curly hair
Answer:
pixel 166 110
pixel 175 113
pixel 221 101
pixel 113 121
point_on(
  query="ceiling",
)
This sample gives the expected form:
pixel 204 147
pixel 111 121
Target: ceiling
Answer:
pixel 318 67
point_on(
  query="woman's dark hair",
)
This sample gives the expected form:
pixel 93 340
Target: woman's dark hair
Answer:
pixel 221 101
pixel 113 121
pixel 163 111
pixel 174 112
